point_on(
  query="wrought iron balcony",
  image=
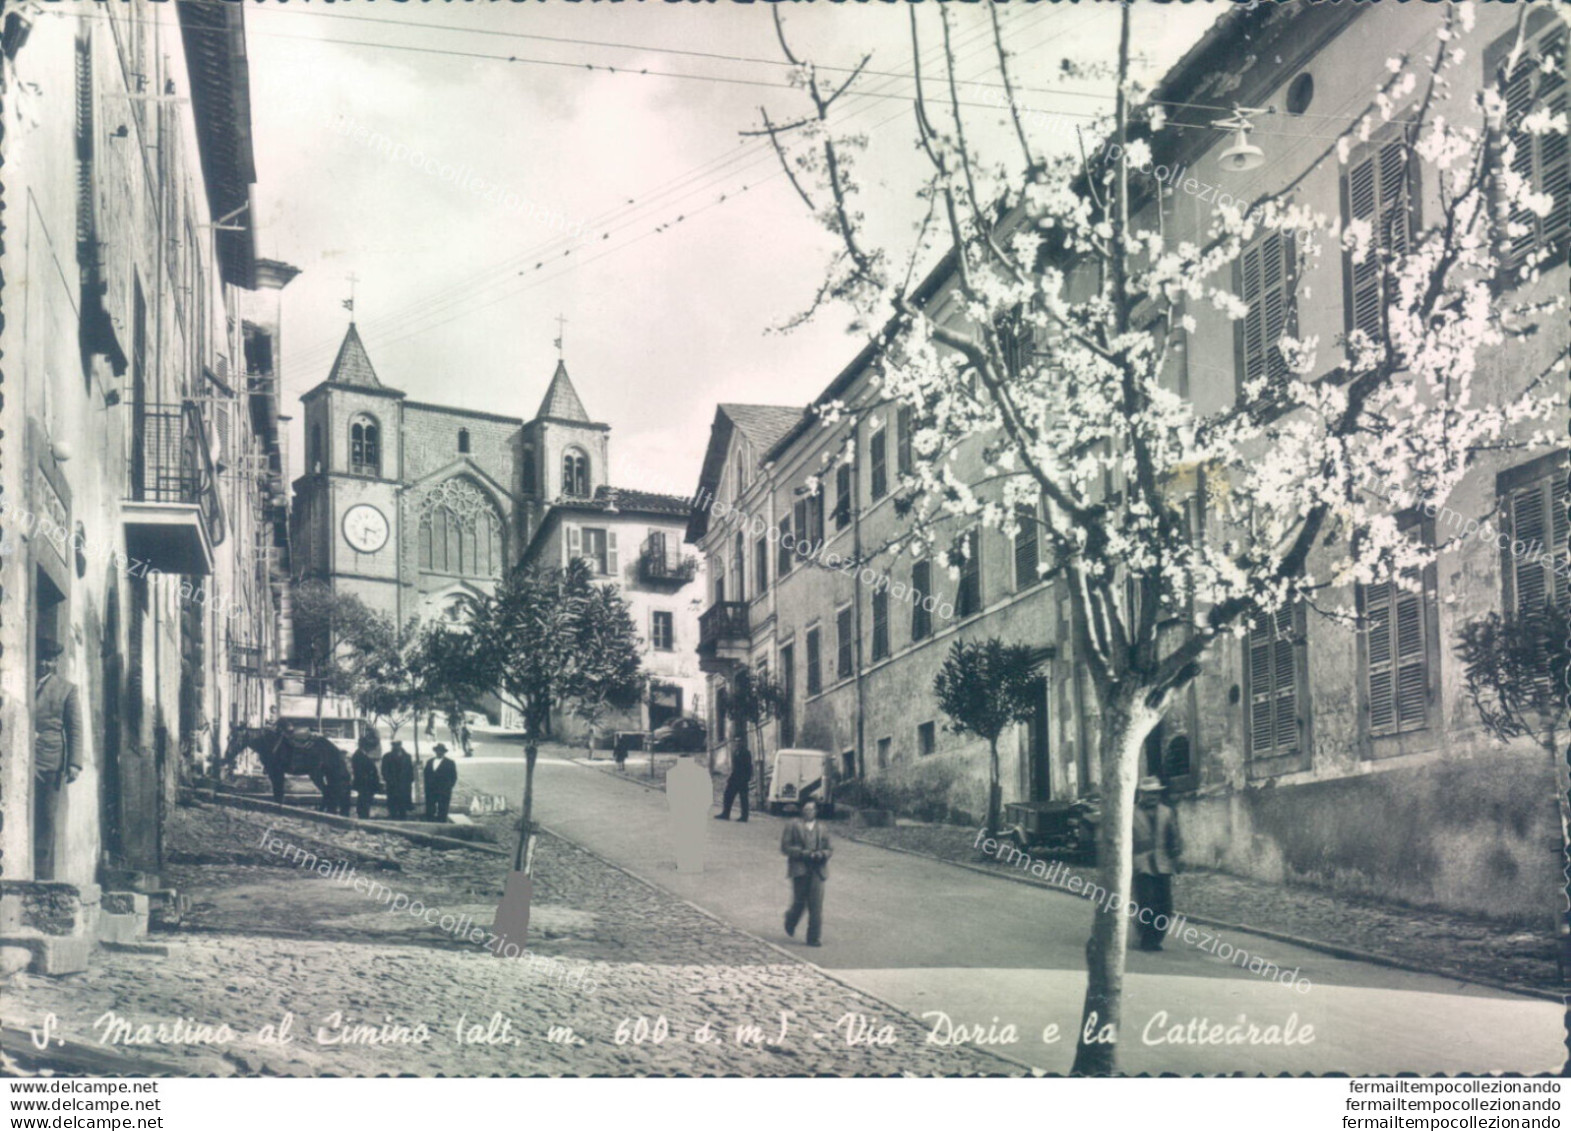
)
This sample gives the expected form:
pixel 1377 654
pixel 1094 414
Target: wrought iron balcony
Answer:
pixel 657 564
pixel 173 518
pixel 723 625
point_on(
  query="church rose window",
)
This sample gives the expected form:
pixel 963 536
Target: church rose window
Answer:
pixel 460 531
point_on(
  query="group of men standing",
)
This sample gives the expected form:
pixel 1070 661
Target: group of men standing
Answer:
pixel 397 778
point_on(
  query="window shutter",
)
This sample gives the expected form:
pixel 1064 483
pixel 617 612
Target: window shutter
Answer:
pixel 1026 555
pixel 86 228
pixel 1540 524
pixel 1262 731
pixel 1412 682
pixel 575 545
pixel 611 565
pixel 1543 160
pixel 903 444
pixel 842 496
pixel 1382 699
pixel 1285 684
pixel 921 588
pixel 1274 723
pixel 1365 277
pixel 783 551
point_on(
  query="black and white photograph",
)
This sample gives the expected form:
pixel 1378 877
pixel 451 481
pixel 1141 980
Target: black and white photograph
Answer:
pixel 924 540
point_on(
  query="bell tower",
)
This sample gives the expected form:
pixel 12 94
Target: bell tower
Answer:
pixel 347 520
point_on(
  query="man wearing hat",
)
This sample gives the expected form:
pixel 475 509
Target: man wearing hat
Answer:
pixel 441 775
pixel 1157 849
pixel 398 772
pixel 57 751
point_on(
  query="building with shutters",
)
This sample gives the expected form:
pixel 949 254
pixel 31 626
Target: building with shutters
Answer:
pixel 142 505
pixel 410 506
pixel 1306 751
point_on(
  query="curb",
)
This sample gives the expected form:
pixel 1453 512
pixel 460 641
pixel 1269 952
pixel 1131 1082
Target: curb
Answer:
pixel 1030 1069
pixel 611 773
pixel 428 840
pixel 1334 950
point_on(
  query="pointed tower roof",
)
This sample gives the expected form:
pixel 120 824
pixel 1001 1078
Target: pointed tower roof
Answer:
pixel 352 366
pixel 561 400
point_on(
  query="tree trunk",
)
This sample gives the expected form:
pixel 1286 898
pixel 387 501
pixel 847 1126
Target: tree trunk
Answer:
pixel 995 791
pixel 1125 725
pixel 526 821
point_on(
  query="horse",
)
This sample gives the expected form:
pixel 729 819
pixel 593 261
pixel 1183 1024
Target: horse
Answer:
pixel 310 754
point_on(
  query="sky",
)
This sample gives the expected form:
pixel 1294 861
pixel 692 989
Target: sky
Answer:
pixel 566 182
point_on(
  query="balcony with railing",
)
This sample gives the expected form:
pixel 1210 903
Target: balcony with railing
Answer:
pixel 657 565
pixel 173 518
pixel 722 635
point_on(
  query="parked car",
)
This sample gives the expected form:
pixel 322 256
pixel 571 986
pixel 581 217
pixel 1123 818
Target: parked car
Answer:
pixel 684 734
pixel 802 775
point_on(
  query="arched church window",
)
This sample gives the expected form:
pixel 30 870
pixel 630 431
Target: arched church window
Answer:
pixel 575 474
pixel 529 471
pixel 365 446
pixel 315 458
pixel 461 531
pixel 463 441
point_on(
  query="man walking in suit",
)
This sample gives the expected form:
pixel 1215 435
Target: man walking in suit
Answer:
pixel 57 752
pixel 736 785
pixel 1157 849
pixel 398 772
pixel 441 775
pixel 805 843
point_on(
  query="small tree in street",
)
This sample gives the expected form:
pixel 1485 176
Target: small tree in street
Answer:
pixel 753 699
pixel 546 640
pixel 983 688
pixel 323 620
pixel 445 675
pixel 610 677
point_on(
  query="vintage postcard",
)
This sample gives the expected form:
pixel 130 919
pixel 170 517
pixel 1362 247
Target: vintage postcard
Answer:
pixel 631 539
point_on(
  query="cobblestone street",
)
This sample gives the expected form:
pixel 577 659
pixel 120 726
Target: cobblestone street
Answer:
pixel 241 957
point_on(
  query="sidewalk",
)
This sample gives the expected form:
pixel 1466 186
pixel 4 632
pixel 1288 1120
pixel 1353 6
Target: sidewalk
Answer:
pixel 1411 938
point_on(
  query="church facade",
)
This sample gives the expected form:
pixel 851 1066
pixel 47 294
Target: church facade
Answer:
pixel 410 506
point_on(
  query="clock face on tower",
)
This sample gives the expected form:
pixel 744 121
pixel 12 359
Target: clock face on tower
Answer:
pixel 365 528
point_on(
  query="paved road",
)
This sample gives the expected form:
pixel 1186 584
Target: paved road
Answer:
pixel 987 952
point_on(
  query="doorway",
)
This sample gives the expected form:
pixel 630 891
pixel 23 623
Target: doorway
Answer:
pixel 1039 770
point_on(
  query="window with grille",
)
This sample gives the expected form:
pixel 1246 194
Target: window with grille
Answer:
pixel 968 598
pixel 1397 632
pixel 815 675
pixel 662 631
pixel 1027 551
pixel 921 589
pixel 903 457
pixel 878 461
pixel 880 624
pixel 1266 277
pixel 843 644
pixel 1542 160
pixel 1274 672
pixel 1379 188
pixel 1533 501
pixel 842 496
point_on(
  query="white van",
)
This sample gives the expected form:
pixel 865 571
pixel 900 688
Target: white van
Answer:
pixel 802 775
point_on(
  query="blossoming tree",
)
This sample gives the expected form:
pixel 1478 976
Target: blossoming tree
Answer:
pixel 1171 528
